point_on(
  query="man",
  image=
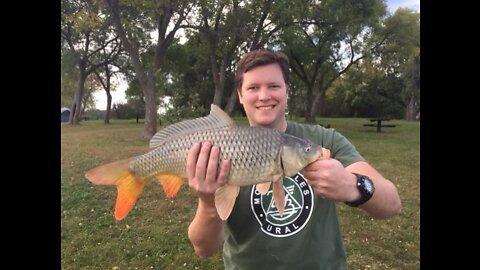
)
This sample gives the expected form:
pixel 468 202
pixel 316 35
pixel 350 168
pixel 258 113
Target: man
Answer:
pixel 308 235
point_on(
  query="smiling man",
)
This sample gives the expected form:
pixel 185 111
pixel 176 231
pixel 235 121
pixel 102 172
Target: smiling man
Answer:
pixel 308 235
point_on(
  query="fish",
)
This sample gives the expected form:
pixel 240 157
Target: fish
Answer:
pixel 258 156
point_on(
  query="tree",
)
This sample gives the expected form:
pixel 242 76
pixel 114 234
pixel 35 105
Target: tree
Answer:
pixel 81 25
pixel 91 86
pixel 111 57
pixel 230 28
pixel 365 91
pixel 134 21
pixel 412 87
pixel 327 41
pixel 69 77
pixel 399 56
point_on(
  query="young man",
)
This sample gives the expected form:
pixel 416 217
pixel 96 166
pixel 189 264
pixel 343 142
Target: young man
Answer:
pixel 308 235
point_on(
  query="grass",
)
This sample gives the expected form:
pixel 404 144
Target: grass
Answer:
pixel 154 234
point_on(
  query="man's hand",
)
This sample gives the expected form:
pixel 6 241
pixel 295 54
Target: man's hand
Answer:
pixel 330 180
pixel 202 168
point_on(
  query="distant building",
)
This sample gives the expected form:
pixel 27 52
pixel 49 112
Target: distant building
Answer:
pixel 65 115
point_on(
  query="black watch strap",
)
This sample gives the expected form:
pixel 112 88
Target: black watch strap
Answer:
pixel 366 188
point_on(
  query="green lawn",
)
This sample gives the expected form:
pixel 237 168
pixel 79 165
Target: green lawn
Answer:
pixel 154 234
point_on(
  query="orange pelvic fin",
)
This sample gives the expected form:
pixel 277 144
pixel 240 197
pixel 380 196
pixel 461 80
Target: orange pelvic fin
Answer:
pixel 279 196
pixel 325 153
pixel 263 188
pixel 225 197
pixel 171 183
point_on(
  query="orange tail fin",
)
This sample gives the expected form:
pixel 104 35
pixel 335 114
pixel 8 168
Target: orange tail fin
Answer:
pixel 128 187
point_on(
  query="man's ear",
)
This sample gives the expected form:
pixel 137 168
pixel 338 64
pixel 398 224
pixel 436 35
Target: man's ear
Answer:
pixel 239 93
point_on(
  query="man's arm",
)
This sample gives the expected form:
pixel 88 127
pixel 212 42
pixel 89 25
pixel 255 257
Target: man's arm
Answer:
pixel 385 201
pixel 332 181
pixel 206 229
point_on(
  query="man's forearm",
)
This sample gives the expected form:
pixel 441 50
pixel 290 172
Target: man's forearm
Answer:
pixel 206 230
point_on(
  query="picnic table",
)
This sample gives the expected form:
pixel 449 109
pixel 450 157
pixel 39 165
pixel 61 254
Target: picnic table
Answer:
pixel 379 124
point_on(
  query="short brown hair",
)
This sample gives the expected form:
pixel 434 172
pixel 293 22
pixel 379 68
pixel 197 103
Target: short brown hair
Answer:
pixel 261 57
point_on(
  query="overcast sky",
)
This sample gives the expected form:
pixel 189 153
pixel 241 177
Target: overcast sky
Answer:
pixel 411 4
pixel 118 96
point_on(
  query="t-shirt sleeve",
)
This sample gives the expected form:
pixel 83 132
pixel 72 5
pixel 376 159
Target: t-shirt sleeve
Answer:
pixel 340 147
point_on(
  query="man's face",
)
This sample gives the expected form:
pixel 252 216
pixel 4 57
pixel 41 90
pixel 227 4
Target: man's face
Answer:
pixel 264 96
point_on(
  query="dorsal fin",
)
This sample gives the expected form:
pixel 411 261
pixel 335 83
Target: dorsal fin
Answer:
pixel 216 119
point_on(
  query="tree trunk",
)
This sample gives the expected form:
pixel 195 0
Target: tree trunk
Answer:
pixel 150 125
pixel 109 108
pixel 77 99
pixel 308 105
pixel 232 102
pixel 146 72
pixel 411 111
pixel 218 76
pixel 315 106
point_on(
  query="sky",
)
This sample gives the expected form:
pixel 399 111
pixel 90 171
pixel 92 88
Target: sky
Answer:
pixel 411 4
pixel 118 96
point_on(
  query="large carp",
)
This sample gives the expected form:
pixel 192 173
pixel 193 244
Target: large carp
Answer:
pixel 258 156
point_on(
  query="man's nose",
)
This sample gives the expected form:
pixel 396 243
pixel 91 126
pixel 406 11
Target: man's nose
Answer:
pixel 264 94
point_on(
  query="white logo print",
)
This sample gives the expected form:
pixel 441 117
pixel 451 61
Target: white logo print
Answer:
pixel 298 207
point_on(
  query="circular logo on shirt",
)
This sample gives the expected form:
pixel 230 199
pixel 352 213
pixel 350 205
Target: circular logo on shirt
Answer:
pixel 298 207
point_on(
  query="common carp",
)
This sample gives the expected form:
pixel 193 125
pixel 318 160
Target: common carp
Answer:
pixel 258 156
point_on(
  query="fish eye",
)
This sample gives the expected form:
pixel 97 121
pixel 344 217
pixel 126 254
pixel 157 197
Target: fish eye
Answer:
pixel 308 149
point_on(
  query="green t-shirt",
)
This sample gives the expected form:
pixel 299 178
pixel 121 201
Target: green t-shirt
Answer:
pixel 307 236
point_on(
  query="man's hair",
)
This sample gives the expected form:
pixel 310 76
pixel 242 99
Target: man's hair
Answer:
pixel 261 57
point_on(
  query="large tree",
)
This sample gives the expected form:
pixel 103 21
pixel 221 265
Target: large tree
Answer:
pixel 83 33
pixel 231 28
pixel 400 56
pixel 327 40
pixel 135 23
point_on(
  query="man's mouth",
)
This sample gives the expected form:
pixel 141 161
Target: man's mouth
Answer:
pixel 265 108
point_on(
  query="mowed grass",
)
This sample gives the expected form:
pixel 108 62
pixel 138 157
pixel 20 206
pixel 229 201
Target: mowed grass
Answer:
pixel 154 234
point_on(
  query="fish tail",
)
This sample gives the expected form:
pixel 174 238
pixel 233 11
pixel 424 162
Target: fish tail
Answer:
pixel 129 187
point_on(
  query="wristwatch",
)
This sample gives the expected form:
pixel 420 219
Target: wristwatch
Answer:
pixel 366 188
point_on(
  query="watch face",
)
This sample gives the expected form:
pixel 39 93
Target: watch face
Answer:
pixel 368 185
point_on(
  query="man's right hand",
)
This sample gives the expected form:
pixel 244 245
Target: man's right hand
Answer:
pixel 202 168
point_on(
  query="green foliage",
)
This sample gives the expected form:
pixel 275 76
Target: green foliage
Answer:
pixel 400 55
pixel 365 91
pixel 95 114
pixel 181 110
pixel 69 78
pixel 125 111
pixel 154 234
pixel 318 36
